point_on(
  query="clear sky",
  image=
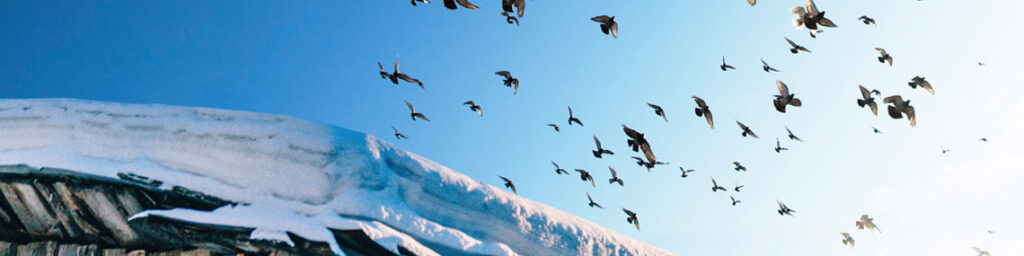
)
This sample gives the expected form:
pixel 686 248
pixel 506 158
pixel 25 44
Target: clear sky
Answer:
pixel 317 60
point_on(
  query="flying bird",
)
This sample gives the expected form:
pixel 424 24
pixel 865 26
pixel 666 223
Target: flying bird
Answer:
pixel 796 47
pixel 520 5
pixel 866 99
pixel 899 108
pixel 980 252
pixel 474 107
pixel 632 218
pixel 883 56
pixel 450 4
pixel 944 150
pixel 725 66
pixel 746 130
pixel 395 75
pixel 739 167
pixel 715 187
pixel 867 20
pixel 808 16
pixel 919 81
pixel 766 68
pixel 508 184
pixel 981 63
pixel 573 119
pixel 510 18
pixel 783 209
pixel 608 24
pixel 984 139
pixel 639 143
pixel 555 126
pixel 509 81
pixel 793 137
pixel 847 239
pixel 600 151
pixel 592 203
pixel 752 2
pixel 648 165
pixel 990 232
pixel 658 111
pixel 421 1
pixel 734 201
pixel 778 146
pixel 868 223
pixel 415 114
pixel 876 130
pixel 737 188
pixel 398 135
pixel 585 176
pixel 703 110
pixel 685 171
pixel 615 178
pixel 784 98
pixel 559 170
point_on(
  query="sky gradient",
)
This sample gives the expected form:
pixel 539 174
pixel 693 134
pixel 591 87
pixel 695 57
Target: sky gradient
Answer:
pixel 317 60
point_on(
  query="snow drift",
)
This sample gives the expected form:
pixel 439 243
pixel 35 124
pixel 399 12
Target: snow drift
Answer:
pixel 298 176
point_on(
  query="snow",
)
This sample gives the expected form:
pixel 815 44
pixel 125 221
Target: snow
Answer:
pixel 297 176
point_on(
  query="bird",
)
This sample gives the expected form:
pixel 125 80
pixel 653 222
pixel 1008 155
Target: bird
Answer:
pixel 510 19
pixel 725 66
pixel 944 150
pixel 766 68
pixel 901 107
pixel 508 184
pixel 867 223
pixel 808 16
pixel 520 5
pixel 739 167
pixel 980 252
pixel 555 126
pixel 450 4
pixel 600 151
pixel 474 107
pixel 648 165
pixel 703 110
pixel 876 130
pixel 632 218
pixel 395 75
pixel 715 187
pixel 421 1
pixel 796 47
pixel 867 20
pixel 615 178
pixel 866 99
pixel 793 137
pixel 398 135
pixel 685 171
pixel 737 188
pixel 592 203
pixel 990 232
pixel 778 146
pixel 783 209
pixel 784 98
pixel 746 130
pixel 752 2
pixel 983 140
pixel 734 201
pixel 847 239
pixel 639 143
pixel 585 176
pixel 573 119
pixel 981 63
pixel 658 111
pixel 919 81
pixel 884 56
pixel 559 170
pixel 509 80
pixel 608 24
pixel 414 114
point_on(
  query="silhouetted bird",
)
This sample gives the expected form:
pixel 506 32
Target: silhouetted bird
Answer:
pixel 600 151
pixel 793 137
pixel 980 251
pixel 876 130
pixel 746 130
pixel 766 68
pixel 944 150
pixel 783 209
pixel 615 178
pixel 648 165
pixel 715 187
pixel 632 218
pixel 734 201
pixel 866 99
pixel 592 203
pixel 796 47
pixel 724 66
pixel 703 110
pixel 658 111
pixel 520 5
pixel 421 1
pixel 450 4
pixel 867 223
pixel 778 146
pixel 684 172
pixel 509 81
pixel 984 139
pixel 808 16
pixel 608 24
pixel 847 240
pixel 474 107
pixel 508 184
pixel 899 108
pixel 752 2
pixel 867 20
pixel 415 114
pixel 510 18
pixel 919 81
pixel 398 135
pixel 884 56
pixel 394 76
pixel 737 188
pixel 559 170
pixel 555 126
pixel 784 98
pixel 639 143
pixel 585 176
pixel 573 118
pixel 739 167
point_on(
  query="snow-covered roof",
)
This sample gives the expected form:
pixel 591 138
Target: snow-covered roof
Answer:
pixel 299 176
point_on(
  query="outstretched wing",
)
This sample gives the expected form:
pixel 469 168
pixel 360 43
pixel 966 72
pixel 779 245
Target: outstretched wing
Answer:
pixel 783 89
pixel 598 142
pixel 411 108
pixel 880 50
pixel 601 19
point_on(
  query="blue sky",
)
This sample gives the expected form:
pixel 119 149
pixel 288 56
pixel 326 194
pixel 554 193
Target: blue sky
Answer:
pixel 317 60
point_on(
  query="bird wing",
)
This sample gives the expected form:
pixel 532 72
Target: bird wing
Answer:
pixel 628 212
pixel 598 142
pixel 636 222
pixel 646 148
pixel 469 103
pixel 422 116
pixel 468 5
pixel 655 107
pixel 589 199
pixel 862 17
pixel 783 89
pixel 707 116
pixel 408 78
pixel 570 111
pixel 927 86
pixel 864 92
pixel 874 107
pixel 895 99
pixel 909 110
pixel 811 8
pixel 521 6
pixel 504 73
pixel 826 22
pixel 410 106
pixel 601 19
pixel 613 171
pixel 744 127
pixel 615 29
pixel 791 43
pixel 752 2
pixel 632 133
pixel 505 179
pixel 880 50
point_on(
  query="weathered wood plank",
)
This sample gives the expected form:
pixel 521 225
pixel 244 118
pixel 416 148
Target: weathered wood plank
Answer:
pixel 67 250
pixel 136 253
pixel 129 204
pixel 110 217
pixel 73 209
pixel 196 252
pixel 47 248
pixel 31 211
pixel 114 252
pixel 7 249
pixel 58 209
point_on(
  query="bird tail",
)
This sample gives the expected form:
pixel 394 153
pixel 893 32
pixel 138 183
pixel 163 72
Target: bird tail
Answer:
pixel 861 102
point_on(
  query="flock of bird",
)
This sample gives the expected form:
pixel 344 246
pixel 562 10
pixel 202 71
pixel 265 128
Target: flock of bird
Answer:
pixel 807 17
